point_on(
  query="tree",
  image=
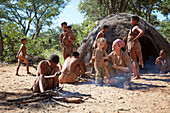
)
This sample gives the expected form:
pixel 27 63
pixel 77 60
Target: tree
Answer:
pixel 35 13
pixel 1 45
pixel 164 28
pixel 98 9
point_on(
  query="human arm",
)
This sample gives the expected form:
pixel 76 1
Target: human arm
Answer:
pixel 128 66
pixel 61 40
pixel 125 69
pixel 82 68
pixel 140 32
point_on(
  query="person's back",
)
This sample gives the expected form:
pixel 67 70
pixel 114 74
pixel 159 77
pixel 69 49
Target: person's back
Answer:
pixel 47 75
pixel 72 68
pixel 69 65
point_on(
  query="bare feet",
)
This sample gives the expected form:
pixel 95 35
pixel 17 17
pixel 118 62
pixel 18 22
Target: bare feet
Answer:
pixel 135 77
pixel 28 73
pixel 17 74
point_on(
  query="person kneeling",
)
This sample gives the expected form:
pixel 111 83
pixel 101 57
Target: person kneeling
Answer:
pixel 121 65
pixel 73 67
pixel 47 75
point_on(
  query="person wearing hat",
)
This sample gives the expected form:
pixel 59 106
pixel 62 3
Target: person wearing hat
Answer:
pixel 47 75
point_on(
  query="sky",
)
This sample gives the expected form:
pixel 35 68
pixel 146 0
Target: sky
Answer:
pixel 71 15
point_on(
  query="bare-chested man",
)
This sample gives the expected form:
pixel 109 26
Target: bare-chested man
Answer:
pixel 101 34
pixel 72 68
pixel 66 41
pixel 134 47
pixel 47 75
pixel 21 56
pixel 163 62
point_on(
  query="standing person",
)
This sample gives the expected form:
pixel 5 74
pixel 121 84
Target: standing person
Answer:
pixel 47 75
pixel 67 45
pixel 163 62
pixel 101 34
pixel 120 63
pixel 134 47
pixel 73 67
pixel 99 63
pixel 21 56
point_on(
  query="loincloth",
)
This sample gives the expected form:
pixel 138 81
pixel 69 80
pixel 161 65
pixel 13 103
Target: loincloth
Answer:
pixel 67 78
pixel 68 51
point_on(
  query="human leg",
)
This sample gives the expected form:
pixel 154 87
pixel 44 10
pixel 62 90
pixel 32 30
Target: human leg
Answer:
pixel 139 54
pixel 135 66
pixel 19 64
pixel 26 61
pixel 99 78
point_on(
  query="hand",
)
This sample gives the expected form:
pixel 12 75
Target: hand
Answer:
pixel 135 39
pixel 17 56
pixel 115 66
pixel 125 39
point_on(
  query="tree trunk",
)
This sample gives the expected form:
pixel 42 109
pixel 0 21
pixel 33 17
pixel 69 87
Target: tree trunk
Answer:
pixel 122 6
pixel 108 6
pixel 100 7
pixel 1 45
pixel 113 6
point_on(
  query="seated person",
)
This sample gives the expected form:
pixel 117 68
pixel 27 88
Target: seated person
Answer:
pixel 120 63
pixel 47 75
pixel 163 62
pixel 73 67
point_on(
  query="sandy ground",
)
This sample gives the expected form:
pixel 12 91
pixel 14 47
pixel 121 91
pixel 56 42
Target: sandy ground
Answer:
pixel 151 94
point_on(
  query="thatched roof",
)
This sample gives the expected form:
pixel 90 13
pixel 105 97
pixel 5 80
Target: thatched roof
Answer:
pixel 151 42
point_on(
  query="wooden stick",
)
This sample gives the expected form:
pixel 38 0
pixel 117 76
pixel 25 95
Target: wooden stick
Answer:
pixel 59 103
pixel 33 100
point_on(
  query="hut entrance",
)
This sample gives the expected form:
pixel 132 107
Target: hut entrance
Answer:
pixel 149 52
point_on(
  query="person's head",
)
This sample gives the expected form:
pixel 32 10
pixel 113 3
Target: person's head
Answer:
pixel 75 54
pixel 69 27
pixel 101 42
pixel 53 61
pixel 64 26
pixel 162 53
pixel 23 40
pixel 105 28
pixel 117 45
pixel 134 20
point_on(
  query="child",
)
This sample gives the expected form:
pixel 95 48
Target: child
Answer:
pixel 70 32
pixel 21 56
pixel 99 64
pixel 67 45
pixel 134 47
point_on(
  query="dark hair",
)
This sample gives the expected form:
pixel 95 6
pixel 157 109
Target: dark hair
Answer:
pixel 75 54
pixel 69 27
pixel 105 26
pixel 135 18
pixel 64 23
pixel 54 58
pixel 22 39
pixel 162 50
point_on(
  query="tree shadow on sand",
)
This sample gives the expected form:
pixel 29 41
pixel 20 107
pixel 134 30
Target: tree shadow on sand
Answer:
pixel 156 79
pixel 140 86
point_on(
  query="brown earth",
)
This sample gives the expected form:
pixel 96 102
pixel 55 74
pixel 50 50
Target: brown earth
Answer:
pixel 151 94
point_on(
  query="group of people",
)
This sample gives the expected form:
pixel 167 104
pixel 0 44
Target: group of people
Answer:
pixel 117 66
